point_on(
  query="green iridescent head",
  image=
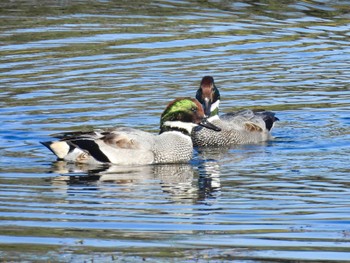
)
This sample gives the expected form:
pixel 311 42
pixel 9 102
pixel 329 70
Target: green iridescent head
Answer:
pixel 183 109
pixel 183 114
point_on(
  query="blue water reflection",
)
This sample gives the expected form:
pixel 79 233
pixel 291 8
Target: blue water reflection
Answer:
pixel 93 64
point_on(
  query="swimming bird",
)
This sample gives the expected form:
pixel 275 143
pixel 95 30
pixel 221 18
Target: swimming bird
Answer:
pixel 129 146
pixel 241 127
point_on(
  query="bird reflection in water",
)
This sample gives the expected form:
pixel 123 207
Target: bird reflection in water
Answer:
pixel 181 182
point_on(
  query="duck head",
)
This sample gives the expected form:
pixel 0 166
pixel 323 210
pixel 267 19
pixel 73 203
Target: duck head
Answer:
pixel 209 96
pixel 184 114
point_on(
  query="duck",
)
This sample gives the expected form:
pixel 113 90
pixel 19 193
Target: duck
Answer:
pixel 241 127
pixel 130 146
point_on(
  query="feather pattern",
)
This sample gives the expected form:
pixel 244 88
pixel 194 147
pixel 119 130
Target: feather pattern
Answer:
pixel 244 126
pixel 129 146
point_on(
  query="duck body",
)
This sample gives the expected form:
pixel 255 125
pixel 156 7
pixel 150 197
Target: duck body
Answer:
pixel 129 146
pixel 241 127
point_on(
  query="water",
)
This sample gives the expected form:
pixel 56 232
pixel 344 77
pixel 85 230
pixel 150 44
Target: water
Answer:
pixel 77 65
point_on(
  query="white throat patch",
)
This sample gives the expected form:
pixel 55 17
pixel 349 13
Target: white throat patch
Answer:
pixel 215 106
pixel 188 126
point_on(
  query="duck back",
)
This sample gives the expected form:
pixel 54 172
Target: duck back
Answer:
pixel 241 127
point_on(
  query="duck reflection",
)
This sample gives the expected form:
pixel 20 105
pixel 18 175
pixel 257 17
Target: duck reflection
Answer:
pixel 180 182
pixel 209 183
pixel 98 176
pixel 215 160
pixel 209 168
pixel 195 182
pixel 177 181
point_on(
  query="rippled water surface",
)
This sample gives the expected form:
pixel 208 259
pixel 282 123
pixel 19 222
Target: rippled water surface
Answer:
pixel 77 65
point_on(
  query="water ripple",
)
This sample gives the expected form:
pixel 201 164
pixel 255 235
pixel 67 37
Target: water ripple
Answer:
pixel 71 66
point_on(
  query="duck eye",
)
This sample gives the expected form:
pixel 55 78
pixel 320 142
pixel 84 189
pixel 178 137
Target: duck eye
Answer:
pixel 194 109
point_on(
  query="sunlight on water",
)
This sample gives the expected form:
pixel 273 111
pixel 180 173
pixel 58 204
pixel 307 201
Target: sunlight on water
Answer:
pixel 78 65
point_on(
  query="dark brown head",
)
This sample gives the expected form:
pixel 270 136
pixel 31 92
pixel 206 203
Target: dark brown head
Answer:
pixel 207 95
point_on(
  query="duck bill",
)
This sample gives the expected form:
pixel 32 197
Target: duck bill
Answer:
pixel 206 107
pixel 205 123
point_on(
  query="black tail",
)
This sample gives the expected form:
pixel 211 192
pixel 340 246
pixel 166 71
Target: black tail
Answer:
pixel 58 154
pixel 269 119
pixel 47 145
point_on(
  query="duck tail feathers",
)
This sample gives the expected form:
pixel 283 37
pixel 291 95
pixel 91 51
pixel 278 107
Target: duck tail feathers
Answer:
pixel 59 148
pixel 269 119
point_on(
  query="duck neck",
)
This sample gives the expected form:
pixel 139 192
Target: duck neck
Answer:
pixel 183 127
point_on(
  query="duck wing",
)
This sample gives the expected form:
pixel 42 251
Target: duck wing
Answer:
pixel 252 120
pixel 119 146
pixel 81 146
